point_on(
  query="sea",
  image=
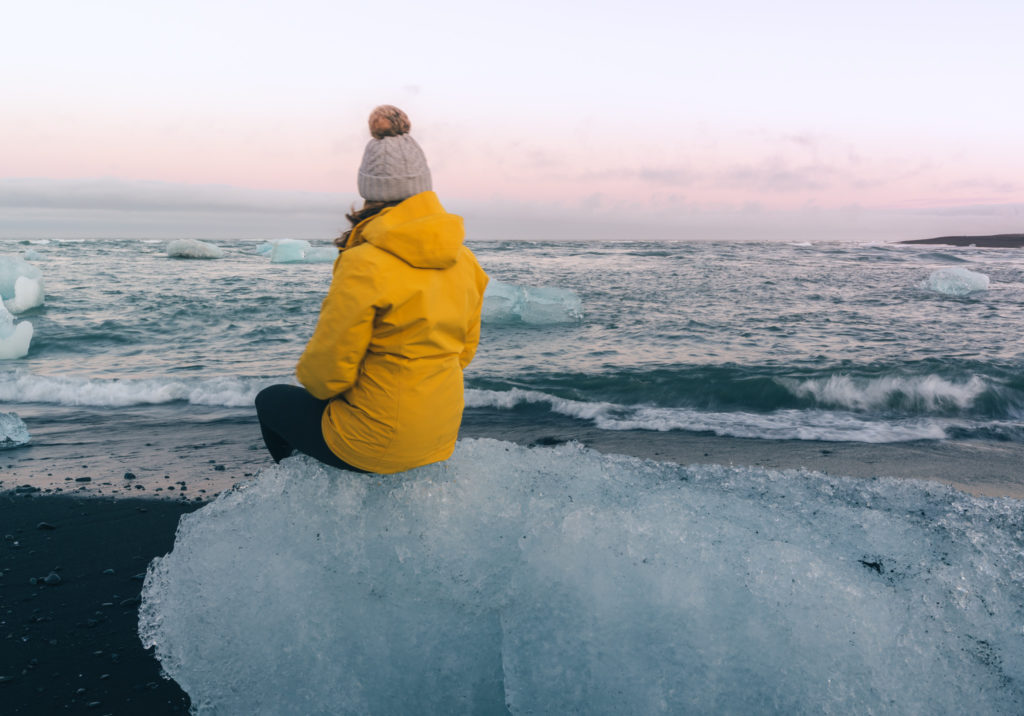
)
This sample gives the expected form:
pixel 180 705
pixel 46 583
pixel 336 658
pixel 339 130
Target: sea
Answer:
pixel 840 342
pixel 554 578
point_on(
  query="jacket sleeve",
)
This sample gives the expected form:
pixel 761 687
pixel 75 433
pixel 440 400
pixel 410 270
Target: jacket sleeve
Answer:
pixel 331 361
pixel 473 329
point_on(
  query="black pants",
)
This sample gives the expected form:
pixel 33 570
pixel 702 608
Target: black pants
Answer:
pixel 290 420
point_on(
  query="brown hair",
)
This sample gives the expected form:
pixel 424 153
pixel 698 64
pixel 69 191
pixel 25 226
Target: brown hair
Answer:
pixel 370 208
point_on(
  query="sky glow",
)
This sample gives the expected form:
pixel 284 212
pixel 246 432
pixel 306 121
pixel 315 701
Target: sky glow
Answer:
pixel 706 120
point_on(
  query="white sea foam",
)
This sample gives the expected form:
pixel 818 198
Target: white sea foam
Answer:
pixel 537 305
pixel 927 392
pixel 13 431
pixel 25 387
pixel 956 281
pixel 565 581
pixel 192 249
pixel 776 425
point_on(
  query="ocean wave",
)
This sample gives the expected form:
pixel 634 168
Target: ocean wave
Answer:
pixel 21 387
pixel 785 424
pixel 916 393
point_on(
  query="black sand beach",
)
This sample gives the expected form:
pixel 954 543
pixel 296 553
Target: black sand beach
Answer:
pixel 69 592
pixel 71 645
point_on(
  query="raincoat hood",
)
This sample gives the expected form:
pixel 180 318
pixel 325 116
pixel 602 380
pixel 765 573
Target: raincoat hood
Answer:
pixel 419 231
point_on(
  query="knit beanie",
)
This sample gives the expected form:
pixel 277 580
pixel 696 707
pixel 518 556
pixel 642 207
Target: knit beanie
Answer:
pixel 393 166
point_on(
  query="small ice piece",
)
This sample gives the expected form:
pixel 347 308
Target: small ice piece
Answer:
pixel 956 281
pixel 21 284
pixel 265 248
pixel 537 305
pixel 320 255
pixel 192 249
pixel 28 293
pixel 33 255
pixel 288 251
pixel 13 431
pixel 14 338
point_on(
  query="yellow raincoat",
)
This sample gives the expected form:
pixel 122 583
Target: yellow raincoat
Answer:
pixel 400 322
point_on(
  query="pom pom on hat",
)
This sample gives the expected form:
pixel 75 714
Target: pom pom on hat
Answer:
pixel 388 121
pixel 393 166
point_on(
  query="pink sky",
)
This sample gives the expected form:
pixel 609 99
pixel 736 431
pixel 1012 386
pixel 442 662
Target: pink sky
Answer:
pixel 689 115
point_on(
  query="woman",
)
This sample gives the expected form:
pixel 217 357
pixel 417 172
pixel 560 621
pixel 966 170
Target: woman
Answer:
pixel 383 371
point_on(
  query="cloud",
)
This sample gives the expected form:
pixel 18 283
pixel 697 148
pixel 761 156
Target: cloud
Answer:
pixel 148 196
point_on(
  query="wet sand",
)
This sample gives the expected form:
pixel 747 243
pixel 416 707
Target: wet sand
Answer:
pixel 71 645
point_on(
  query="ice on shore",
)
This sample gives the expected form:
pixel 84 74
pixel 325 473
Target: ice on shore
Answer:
pixel 956 281
pixel 21 284
pixel 13 431
pixel 560 580
pixel 540 305
pixel 14 337
pixel 193 249
pixel 285 251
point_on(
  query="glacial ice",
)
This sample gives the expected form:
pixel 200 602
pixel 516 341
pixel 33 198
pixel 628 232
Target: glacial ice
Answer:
pixel 14 338
pixel 193 249
pixel 288 251
pixel 284 251
pixel 560 580
pixel 21 284
pixel 539 305
pixel 13 431
pixel 956 281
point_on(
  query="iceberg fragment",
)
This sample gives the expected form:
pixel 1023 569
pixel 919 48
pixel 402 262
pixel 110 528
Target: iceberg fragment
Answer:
pixel 13 431
pixel 956 281
pixel 561 580
pixel 192 249
pixel 538 305
pixel 288 251
pixel 284 251
pixel 21 284
pixel 14 338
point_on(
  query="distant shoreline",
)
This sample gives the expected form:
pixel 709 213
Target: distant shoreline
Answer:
pixel 997 241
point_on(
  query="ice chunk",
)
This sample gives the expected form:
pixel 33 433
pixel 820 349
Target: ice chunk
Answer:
pixel 288 251
pixel 559 580
pixel 956 281
pixel 33 255
pixel 300 251
pixel 14 338
pixel 28 293
pixel 192 249
pixel 320 255
pixel 21 284
pixel 13 431
pixel 509 303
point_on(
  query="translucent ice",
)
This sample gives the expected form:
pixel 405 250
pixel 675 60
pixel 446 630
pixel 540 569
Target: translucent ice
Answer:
pixel 12 431
pixel 509 303
pixel 956 281
pixel 299 251
pixel 14 338
pixel 288 251
pixel 320 255
pixel 192 249
pixel 21 284
pixel 559 580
